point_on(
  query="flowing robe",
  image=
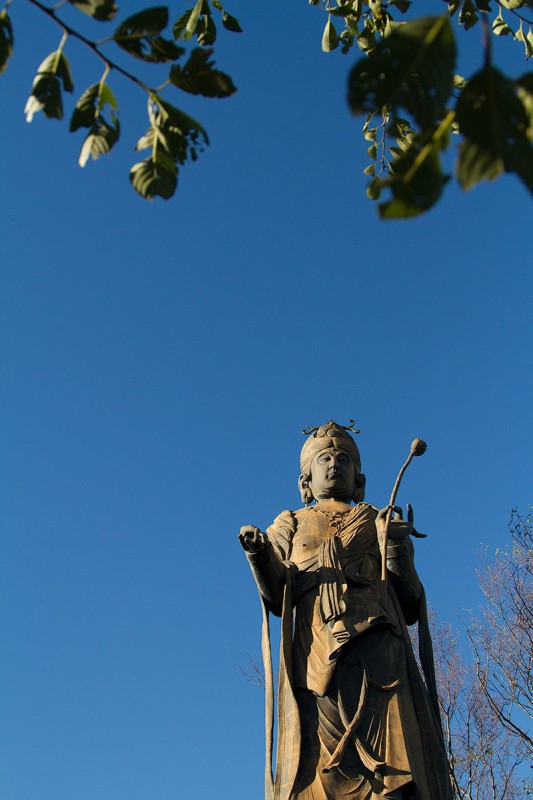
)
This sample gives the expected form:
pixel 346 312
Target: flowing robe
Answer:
pixel 354 718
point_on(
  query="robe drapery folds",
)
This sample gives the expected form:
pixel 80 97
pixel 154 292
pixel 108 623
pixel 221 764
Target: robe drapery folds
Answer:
pixel 354 718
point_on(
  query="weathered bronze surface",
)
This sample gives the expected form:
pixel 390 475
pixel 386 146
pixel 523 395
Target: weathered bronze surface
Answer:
pixel 355 720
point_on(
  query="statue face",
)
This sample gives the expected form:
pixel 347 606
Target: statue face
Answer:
pixel 332 475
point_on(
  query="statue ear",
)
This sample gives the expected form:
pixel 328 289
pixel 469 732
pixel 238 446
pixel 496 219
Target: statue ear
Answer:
pixel 305 489
pixel 359 491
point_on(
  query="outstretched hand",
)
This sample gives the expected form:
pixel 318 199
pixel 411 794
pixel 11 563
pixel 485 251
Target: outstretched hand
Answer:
pixel 252 539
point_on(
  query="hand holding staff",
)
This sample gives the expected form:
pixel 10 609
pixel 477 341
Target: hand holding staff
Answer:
pixel 418 448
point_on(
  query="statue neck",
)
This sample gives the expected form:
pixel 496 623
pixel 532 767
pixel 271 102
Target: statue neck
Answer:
pixel 334 503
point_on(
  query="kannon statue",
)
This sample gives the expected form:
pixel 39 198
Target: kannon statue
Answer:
pixel 356 719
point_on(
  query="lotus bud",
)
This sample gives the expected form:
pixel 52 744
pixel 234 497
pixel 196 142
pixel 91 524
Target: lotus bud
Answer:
pixel 418 447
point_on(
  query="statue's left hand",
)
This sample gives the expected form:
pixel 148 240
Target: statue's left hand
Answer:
pixel 399 529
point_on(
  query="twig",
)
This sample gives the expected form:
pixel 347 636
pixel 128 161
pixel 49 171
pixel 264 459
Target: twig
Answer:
pixel 91 45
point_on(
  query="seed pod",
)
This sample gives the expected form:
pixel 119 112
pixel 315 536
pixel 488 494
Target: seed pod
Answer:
pixel 418 447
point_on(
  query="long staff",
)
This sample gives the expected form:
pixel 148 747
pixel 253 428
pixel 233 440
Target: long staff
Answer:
pixel 418 448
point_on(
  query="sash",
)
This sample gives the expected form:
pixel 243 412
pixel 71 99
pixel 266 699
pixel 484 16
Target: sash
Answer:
pixel 279 786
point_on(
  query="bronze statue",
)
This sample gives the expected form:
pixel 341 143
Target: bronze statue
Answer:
pixel 355 719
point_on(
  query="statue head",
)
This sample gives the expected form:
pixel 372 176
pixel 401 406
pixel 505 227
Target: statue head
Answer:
pixel 337 465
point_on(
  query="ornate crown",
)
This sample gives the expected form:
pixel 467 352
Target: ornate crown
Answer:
pixel 329 435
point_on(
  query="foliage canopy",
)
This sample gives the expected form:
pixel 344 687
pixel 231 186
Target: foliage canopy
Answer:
pixel 404 83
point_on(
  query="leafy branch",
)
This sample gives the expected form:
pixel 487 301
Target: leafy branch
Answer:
pixel 93 46
pixel 404 84
pixel 173 137
pixel 406 77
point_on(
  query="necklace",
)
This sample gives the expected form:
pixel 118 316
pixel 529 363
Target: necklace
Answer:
pixel 336 517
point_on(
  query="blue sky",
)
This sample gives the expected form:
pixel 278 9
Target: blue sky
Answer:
pixel 160 361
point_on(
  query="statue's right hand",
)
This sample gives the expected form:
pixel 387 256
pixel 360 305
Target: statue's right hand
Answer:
pixel 252 539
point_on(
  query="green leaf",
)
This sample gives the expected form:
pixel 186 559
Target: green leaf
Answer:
pixel 206 31
pixel 102 10
pixel 193 22
pixel 524 88
pixel 179 29
pixel 468 16
pixel 330 39
pixel 90 104
pixel 45 96
pixel 494 123
pixel 401 5
pixel 107 97
pixel 397 152
pixel 500 27
pixel 343 9
pixel 527 40
pixel 184 136
pixel 366 40
pixel 373 190
pixel 412 68
pixel 180 135
pixel 85 109
pixel 197 76
pixel 6 39
pixel 88 114
pixel 194 17
pixel 347 38
pixel 417 180
pixel 512 5
pixel 52 74
pixel 403 125
pixel 62 70
pixel 453 5
pixel 231 23
pixel 154 177
pixel 139 36
pixel 100 139
pixel 172 136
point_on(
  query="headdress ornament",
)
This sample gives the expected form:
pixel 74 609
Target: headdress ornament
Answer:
pixel 329 435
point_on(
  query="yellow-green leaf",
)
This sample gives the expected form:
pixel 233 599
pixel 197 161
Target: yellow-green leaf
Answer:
pixel 330 38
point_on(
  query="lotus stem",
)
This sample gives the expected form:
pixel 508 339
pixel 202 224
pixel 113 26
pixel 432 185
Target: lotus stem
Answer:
pixel 418 448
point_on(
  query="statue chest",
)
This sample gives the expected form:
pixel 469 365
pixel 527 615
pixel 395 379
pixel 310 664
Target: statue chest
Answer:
pixel 314 529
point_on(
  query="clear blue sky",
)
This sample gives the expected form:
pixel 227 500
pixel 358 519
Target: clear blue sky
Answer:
pixel 160 361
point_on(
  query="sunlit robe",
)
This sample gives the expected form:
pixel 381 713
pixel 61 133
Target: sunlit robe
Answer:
pixel 354 717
